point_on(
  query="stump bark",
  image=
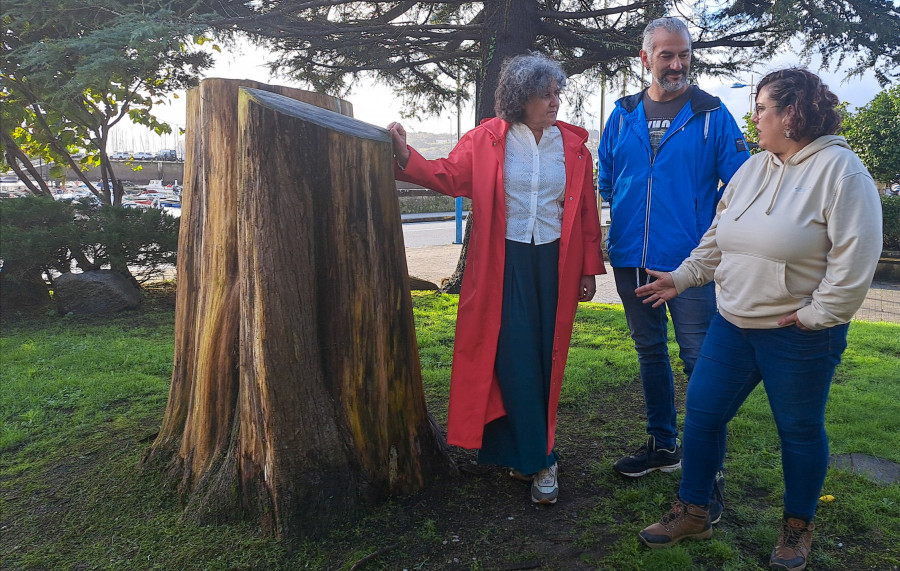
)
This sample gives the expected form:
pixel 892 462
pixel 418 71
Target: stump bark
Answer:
pixel 296 395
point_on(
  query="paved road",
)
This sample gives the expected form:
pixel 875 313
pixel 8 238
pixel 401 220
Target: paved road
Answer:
pixel 419 234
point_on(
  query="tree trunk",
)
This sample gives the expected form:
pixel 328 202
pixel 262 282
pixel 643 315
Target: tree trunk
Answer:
pixel 296 395
pixel 454 282
pixel 335 410
pixel 511 28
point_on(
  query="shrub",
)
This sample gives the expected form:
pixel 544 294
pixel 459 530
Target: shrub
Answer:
pixel 36 230
pixel 39 235
pixel 144 241
pixel 34 236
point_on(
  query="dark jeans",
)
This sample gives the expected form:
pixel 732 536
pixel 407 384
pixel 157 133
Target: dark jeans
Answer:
pixel 796 368
pixel 691 313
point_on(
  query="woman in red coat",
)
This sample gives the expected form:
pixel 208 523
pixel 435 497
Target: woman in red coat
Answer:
pixel 532 256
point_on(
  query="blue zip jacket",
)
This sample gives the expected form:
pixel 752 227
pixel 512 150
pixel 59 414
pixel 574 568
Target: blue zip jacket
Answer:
pixel 660 207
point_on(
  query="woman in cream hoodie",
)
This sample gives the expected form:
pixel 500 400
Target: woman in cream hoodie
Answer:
pixel 793 249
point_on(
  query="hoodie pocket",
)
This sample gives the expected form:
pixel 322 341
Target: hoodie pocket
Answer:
pixel 750 282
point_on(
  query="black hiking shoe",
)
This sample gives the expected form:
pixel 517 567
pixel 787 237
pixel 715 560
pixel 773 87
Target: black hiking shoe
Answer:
pixel 717 502
pixel 648 458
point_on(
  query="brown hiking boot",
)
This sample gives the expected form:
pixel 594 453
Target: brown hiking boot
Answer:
pixel 793 545
pixel 684 521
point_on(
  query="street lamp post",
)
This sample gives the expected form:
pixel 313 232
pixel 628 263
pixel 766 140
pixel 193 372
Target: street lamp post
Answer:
pixel 459 201
pixel 752 86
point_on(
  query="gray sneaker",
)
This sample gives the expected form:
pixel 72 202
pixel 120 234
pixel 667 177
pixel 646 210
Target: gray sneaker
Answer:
pixel 545 487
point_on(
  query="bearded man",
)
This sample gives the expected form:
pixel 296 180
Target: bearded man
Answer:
pixel 662 157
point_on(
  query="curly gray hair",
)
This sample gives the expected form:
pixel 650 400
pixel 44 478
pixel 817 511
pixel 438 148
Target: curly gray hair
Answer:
pixel 669 24
pixel 521 78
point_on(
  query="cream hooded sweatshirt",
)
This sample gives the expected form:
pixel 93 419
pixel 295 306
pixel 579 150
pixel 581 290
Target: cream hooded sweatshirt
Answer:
pixel 803 235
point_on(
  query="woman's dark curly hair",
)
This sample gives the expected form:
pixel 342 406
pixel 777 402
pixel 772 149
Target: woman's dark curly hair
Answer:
pixel 521 78
pixel 815 106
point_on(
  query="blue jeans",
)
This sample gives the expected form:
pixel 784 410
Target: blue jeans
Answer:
pixel 796 368
pixel 691 313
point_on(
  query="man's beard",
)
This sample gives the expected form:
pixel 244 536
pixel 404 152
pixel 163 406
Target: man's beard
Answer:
pixel 672 86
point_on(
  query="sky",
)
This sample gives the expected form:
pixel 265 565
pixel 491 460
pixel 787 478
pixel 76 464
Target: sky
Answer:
pixel 377 105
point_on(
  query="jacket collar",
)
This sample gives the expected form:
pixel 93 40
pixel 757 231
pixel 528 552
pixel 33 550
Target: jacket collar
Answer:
pixel 700 101
pixel 573 137
pixel 496 127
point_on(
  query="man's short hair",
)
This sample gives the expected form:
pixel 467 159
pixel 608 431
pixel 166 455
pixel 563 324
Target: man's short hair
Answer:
pixel 667 23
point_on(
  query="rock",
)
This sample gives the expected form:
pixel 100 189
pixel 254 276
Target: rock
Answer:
pixel 876 469
pixel 98 292
pixel 420 284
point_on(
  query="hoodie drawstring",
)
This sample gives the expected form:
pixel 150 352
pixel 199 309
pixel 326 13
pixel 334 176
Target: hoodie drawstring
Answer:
pixel 770 161
pixel 777 187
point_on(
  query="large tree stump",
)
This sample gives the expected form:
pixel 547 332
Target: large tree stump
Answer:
pixel 197 426
pixel 293 406
pixel 329 363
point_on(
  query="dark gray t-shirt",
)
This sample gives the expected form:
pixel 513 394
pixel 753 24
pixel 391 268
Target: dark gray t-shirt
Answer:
pixel 660 115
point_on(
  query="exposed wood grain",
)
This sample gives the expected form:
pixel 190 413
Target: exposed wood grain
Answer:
pixel 296 395
pixel 203 393
pixel 329 359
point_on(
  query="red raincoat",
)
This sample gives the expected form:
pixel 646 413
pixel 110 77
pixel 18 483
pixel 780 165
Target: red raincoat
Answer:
pixel 474 169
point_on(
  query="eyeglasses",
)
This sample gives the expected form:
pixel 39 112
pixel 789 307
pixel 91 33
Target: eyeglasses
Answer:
pixel 760 109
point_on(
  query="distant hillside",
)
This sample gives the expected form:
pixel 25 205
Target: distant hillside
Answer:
pixel 431 145
pixel 438 145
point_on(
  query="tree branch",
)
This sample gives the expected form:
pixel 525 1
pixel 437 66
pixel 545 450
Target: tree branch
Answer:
pixel 13 151
pixel 557 15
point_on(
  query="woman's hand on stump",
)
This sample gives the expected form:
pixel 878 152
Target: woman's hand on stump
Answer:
pixel 398 137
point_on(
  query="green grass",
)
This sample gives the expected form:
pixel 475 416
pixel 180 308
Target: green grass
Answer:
pixel 80 401
pixel 66 378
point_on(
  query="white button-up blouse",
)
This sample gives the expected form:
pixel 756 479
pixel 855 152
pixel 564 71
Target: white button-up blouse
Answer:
pixel 534 181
